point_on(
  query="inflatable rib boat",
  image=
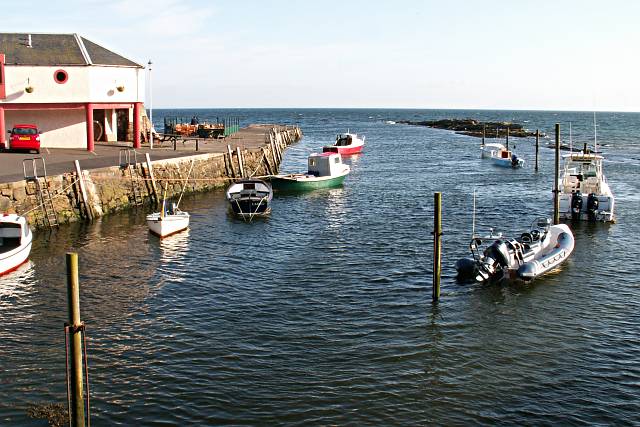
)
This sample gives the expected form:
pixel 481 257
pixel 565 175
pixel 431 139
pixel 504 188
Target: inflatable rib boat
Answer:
pixel 536 252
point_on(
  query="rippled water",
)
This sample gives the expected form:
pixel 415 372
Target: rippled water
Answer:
pixel 321 314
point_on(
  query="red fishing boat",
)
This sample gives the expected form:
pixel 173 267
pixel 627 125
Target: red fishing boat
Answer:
pixel 346 144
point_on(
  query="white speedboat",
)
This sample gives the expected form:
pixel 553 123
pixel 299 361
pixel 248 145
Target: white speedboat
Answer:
pixel 488 150
pixel 168 221
pixel 15 242
pixel 584 191
pixel 506 158
pixel 250 197
pixel 536 252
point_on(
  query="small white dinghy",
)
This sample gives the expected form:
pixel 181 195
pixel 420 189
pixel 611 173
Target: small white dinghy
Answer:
pixel 536 252
pixel 15 242
pixel 169 221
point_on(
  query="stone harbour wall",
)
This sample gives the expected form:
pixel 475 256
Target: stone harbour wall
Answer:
pixel 114 189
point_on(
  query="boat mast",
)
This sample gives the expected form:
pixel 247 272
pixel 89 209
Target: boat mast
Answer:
pixel 570 140
pixel 473 220
pixel 595 133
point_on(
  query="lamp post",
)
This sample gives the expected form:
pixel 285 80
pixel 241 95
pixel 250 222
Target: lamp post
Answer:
pixel 150 108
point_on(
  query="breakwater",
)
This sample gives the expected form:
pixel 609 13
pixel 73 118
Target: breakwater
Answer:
pixel 138 180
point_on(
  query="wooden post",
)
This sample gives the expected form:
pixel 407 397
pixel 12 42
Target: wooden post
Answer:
pixel 197 141
pixel 556 191
pixel 152 177
pixel 437 244
pixel 73 295
pixel 233 171
pixel 240 166
pixel 484 130
pixel 537 146
pixel 83 190
pixel 507 138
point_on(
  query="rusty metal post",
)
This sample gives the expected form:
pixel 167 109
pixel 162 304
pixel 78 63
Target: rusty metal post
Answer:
pixel 556 191
pixel 437 245
pixel 75 331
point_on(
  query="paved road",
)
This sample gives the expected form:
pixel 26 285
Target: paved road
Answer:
pixel 60 160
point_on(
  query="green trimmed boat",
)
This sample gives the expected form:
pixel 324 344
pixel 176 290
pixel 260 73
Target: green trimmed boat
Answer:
pixel 326 170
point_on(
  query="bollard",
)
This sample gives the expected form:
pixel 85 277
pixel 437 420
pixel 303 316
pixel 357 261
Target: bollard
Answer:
pixel 437 245
pixel 76 411
pixel 556 191
pixel 537 145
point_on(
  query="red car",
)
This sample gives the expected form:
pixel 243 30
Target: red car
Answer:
pixel 24 137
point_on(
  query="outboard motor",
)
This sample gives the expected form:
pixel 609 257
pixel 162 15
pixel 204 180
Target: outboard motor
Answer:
pixel 592 206
pixel 495 257
pixel 576 205
pixel 514 161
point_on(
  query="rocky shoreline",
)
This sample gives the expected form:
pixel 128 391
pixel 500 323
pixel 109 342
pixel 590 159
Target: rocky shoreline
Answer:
pixel 474 127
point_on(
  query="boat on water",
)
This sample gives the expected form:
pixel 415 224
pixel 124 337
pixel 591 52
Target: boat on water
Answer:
pixel 506 158
pixel 488 150
pixel 250 197
pixel 536 252
pixel 346 144
pixel 168 221
pixel 15 242
pixel 325 170
pixel 584 191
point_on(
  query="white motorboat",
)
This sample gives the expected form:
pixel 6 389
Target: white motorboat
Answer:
pixel 250 197
pixel 506 158
pixel 168 221
pixel 488 150
pixel 536 252
pixel 584 191
pixel 15 242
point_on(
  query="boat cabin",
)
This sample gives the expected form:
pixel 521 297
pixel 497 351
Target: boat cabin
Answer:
pixel 582 172
pixel 325 164
pixel 344 140
pixel 11 234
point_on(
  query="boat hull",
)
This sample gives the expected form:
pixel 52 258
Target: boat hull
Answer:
pixel 250 206
pixel 11 260
pixel 507 163
pixel 547 261
pixel 170 224
pixel 284 183
pixel 344 151
pixel 15 242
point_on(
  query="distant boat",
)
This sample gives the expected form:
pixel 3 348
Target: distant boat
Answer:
pixel 346 144
pixel 488 150
pixel 250 197
pixel 584 191
pixel 390 122
pixel 15 242
pixel 536 252
pixel 506 158
pixel 325 170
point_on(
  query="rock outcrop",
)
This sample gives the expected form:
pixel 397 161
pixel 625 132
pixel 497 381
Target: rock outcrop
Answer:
pixel 474 127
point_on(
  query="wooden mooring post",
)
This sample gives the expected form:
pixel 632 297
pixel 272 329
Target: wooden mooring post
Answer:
pixel 83 191
pixel 75 331
pixel 507 138
pixel 556 191
pixel 537 147
pixel 484 131
pixel 152 177
pixel 230 153
pixel 437 245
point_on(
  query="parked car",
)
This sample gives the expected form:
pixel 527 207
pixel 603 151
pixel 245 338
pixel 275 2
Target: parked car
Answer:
pixel 24 137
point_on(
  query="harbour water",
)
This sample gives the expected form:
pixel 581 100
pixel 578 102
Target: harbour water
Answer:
pixel 322 315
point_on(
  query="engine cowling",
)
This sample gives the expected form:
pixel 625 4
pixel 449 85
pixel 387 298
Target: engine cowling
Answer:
pixel 592 206
pixel 576 205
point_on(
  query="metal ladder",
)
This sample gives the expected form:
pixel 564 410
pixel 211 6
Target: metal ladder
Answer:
pixel 37 175
pixel 128 160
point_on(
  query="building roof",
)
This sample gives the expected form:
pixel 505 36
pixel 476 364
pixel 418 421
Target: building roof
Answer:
pixel 57 49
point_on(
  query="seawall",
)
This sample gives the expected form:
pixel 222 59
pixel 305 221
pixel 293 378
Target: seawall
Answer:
pixel 259 150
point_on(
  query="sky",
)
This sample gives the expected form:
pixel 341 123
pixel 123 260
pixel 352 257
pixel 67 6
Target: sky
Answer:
pixel 489 54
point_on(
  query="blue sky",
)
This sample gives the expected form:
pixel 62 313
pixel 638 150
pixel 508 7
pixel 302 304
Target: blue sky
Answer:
pixel 552 55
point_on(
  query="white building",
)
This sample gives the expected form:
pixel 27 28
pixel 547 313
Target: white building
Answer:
pixel 75 91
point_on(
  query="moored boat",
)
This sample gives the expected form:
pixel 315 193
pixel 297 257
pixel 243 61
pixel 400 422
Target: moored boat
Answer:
pixel 168 221
pixel 15 242
pixel 584 191
pixel 250 197
pixel 506 158
pixel 325 170
pixel 346 144
pixel 488 150
pixel 536 252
